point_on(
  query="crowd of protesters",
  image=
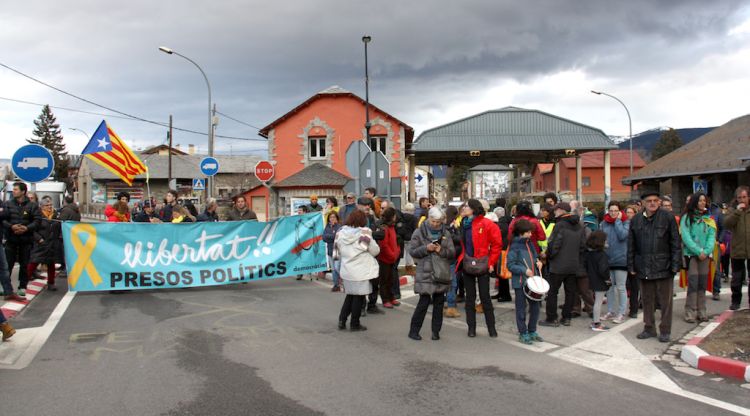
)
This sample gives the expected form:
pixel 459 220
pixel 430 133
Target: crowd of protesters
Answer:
pixel 629 255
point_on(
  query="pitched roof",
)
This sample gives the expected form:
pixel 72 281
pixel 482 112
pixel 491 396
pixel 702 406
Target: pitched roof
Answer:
pixel 184 166
pixel 333 91
pixel 315 175
pixel 617 159
pixel 545 167
pixel 723 149
pixel 512 129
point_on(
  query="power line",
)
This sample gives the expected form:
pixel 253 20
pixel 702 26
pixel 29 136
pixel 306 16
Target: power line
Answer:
pixel 238 121
pixel 126 115
pixel 64 108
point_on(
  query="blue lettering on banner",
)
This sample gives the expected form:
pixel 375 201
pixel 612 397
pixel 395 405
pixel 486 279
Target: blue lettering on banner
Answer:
pixel 130 256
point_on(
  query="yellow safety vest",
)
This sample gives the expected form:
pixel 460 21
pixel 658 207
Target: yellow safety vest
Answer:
pixel 548 232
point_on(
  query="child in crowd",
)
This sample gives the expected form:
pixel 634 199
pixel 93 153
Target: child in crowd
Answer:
pixel 524 263
pixel 597 269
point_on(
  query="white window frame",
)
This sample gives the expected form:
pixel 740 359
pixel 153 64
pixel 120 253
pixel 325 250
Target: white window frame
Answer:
pixel 381 143
pixel 319 144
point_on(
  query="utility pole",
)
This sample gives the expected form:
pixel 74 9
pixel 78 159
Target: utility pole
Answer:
pixel 169 154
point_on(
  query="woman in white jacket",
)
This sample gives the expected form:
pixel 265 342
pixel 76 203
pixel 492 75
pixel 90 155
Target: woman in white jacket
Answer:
pixel 357 251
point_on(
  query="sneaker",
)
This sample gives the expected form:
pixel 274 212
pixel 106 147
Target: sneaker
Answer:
pixel 553 324
pixel 608 316
pixel 335 289
pixel 52 288
pixel 716 296
pixel 619 319
pixel 598 327
pixel 535 337
pixel 524 339
pixel 388 305
pixel 565 322
pixel 397 296
pixel 22 292
pixel 633 315
pixel 663 337
pixel 395 302
pixel 734 306
pixel 645 335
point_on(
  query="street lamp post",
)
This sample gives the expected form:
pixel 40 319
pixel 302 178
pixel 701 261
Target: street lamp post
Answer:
pixel 630 125
pixel 210 117
pixel 366 39
pixel 77 129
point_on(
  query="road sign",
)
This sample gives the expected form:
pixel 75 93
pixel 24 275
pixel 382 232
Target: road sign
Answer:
pixel 199 184
pixel 264 171
pixel 700 186
pixel 32 163
pixel 209 166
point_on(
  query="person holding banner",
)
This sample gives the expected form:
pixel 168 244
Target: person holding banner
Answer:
pixel 22 218
pixel 47 248
pixel 356 250
pixel 240 211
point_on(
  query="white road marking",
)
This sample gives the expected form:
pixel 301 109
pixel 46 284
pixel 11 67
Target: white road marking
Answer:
pixel 19 351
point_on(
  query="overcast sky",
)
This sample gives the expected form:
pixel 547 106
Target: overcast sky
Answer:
pixel 674 63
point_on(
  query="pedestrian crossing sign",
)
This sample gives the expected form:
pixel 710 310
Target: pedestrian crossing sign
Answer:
pixel 199 184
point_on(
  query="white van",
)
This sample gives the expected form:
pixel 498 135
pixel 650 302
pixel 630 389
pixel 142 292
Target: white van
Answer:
pixel 55 190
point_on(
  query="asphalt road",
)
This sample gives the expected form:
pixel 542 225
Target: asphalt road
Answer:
pixel 272 348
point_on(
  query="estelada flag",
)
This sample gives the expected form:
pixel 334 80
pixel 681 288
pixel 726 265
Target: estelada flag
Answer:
pixel 109 151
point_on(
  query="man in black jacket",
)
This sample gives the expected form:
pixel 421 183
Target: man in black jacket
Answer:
pixel 209 215
pixel 22 220
pixel 654 249
pixel 565 250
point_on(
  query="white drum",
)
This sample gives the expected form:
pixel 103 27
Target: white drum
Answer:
pixel 535 288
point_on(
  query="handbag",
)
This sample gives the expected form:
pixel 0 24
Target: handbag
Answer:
pixel 441 272
pixel 475 266
pixel 504 273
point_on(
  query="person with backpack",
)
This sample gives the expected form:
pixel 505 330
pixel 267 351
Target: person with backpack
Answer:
pixel 432 247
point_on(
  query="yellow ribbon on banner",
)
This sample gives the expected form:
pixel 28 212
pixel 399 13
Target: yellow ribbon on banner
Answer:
pixel 84 252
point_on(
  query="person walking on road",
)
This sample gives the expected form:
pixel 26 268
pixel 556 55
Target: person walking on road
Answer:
pixel 737 221
pixel 22 219
pixel 616 225
pixel 654 257
pixel 329 236
pixel 698 232
pixel 481 245
pixel 431 245
pixel 357 251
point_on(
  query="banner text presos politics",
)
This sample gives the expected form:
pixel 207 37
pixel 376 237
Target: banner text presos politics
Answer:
pixel 204 277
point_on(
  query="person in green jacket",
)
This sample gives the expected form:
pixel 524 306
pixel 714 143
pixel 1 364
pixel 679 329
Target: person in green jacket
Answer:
pixel 698 232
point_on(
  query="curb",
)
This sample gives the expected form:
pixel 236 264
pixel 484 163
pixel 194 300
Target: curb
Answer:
pixel 12 308
pixel 700 359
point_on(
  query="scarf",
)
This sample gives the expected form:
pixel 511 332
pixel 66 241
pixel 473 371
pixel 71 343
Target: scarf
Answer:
pixel 609 219
pixel 48 212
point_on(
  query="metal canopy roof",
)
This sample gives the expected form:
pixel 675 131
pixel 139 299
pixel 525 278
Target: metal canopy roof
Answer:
pixel 507 135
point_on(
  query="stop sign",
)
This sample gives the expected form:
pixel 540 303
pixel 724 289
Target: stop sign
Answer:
pixel 264 171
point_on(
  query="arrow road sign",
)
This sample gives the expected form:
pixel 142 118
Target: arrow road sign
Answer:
pixel 419 177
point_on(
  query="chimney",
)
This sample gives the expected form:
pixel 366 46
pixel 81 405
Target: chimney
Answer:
pixel 191 149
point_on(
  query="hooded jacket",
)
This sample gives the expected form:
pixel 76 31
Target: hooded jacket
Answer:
pixel 521 255
pixel 389 249
pixel 597 268
pixel 485 239
pixel 566 246
pixel 617 242
pixel 357 263
pixel 698 236
pixel 537 233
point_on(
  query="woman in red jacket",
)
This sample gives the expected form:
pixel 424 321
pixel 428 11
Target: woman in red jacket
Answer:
pixel 389 254
pixel 481 243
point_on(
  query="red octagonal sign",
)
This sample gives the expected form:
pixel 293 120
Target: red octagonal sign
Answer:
pixel 264 171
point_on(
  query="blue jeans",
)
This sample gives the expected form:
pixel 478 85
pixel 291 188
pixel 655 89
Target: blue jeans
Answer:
pixel 534 307
pixel 2 317
pixel 335 268
pixel 617 294
pixel 454 287
pixel 5 274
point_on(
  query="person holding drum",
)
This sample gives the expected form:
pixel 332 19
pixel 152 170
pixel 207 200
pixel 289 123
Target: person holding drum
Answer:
pixel 525 267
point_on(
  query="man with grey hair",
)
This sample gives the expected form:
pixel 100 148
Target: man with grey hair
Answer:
pixel 350 205
pixel 209 214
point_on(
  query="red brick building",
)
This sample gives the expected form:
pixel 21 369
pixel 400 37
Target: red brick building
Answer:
pixel 592 166
pixel 308 148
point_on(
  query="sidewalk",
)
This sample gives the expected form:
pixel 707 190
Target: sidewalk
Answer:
pixel 12 308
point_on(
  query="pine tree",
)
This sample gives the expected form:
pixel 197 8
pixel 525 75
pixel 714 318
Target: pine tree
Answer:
pixel 47 134
pixel 668 141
